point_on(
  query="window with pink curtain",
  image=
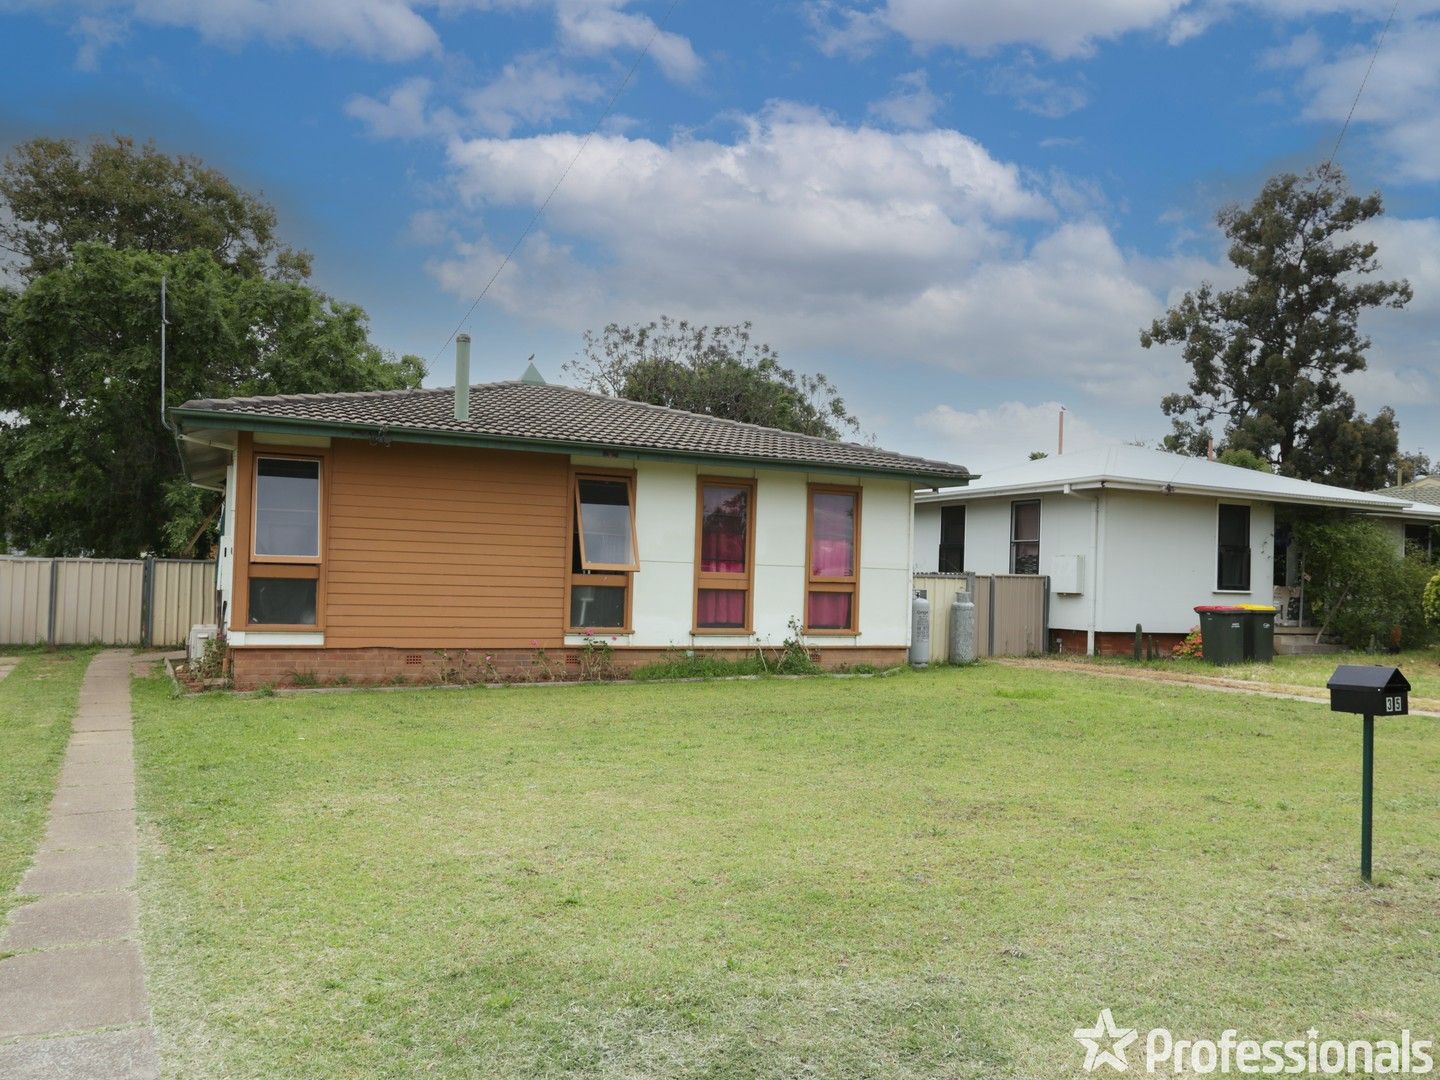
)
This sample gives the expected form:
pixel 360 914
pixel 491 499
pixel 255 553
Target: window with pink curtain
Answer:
pixel 716 608
pixel 829 611
pixel 724 525
pixel 722 577
pixel 832 534
pixel 832 598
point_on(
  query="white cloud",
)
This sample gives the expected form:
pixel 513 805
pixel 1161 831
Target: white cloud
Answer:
pixel 386 29
pixel 896 247
pixel 1036 93
pixel 912 104
pixel 979 26
pixel 1060 29
pixel 404 113
pixel 594 27
pixel 1007 433
pixel 1401 103
pixel 529 90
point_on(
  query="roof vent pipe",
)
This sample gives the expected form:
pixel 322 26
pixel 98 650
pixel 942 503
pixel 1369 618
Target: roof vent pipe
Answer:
pixel 462 376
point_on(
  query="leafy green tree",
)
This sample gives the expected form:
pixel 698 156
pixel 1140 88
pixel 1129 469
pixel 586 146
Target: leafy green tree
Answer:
pixel 1267 356
pixel 1362 588
pixel 716 370
pixel 1244 459
pixel 85 465
pixel 57 195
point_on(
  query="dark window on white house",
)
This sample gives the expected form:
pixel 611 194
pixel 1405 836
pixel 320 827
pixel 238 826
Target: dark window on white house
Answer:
pixel 1419 540
pixel 1025 537
pixel 952 539
pixel 1233 555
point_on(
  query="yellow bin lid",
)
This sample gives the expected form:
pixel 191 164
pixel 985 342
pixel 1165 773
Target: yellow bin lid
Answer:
pixel 1257 607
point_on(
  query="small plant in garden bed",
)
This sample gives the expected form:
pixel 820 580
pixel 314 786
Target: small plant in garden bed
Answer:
pixel 597 658
pixel 304 679
pixel 680 666
pixel 1190 648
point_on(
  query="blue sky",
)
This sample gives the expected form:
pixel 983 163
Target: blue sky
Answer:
pixel 960 211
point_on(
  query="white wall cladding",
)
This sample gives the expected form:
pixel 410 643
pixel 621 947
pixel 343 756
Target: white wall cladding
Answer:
pixel 1148 558
pixel 665 523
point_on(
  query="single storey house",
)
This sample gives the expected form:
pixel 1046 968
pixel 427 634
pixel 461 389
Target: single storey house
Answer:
pixel 365 532
pixel 1130 536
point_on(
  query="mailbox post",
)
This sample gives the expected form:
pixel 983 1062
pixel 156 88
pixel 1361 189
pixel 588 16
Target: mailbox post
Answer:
pixel 1369 691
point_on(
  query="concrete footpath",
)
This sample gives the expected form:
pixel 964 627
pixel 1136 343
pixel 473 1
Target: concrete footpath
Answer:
pixel 72 995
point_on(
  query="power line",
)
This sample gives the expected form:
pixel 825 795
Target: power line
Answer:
pixel 1364 79
pixel 535 217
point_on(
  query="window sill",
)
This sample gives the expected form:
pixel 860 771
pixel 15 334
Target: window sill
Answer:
pixel 1232 592
pixel 722 631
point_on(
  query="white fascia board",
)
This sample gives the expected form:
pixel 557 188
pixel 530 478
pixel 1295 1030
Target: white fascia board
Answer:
pixel 1371 504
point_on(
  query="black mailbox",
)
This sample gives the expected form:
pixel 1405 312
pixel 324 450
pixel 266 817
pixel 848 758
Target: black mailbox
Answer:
pixel 1369 689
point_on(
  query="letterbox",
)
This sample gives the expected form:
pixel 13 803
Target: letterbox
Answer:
pixel 1371 689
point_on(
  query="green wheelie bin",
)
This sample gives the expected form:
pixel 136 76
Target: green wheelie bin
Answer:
pixel 1259 632
pixel 1222 633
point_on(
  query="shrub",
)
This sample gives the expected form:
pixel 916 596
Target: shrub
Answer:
pixel 1191 648
pixel 1361 588
pixel 1431 601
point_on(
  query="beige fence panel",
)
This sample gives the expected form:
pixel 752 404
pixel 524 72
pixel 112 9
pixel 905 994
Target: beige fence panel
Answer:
pixel 99 600
pixel 24 600
pixel 182 594
pixel 1011 612
pixel 1017 627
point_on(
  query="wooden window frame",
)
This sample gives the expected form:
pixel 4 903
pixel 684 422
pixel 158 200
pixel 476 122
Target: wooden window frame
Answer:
pixel 716 580
pixel 1039 505
pixel 1249 587
pixel 603 577
pixel 578 521
pixel 256 458
pixel 849 583
pixel 246 564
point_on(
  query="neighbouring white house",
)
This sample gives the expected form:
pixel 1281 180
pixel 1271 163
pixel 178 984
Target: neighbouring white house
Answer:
pixel 1131 536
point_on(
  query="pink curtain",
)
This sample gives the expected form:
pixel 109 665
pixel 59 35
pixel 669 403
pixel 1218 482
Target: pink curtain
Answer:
pixel 722 552
pixel 724 522
pixel 832 541
pixel 721 607
pixel 829 611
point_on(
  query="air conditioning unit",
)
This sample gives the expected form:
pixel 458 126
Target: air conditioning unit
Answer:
pixel 1067 574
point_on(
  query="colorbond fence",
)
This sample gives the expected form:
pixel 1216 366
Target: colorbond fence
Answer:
pixel 1012 612
pixel 110 601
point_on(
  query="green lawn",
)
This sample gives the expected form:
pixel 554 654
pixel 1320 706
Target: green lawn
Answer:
pixel 1421 667
pixel 935 874
pixel 37 701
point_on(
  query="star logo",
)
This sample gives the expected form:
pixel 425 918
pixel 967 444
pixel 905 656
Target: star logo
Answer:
pixel 1105 1031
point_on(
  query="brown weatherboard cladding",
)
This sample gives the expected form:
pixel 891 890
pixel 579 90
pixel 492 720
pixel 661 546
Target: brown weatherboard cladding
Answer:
pixel 563 417
pixel 445 547
pixel 257 666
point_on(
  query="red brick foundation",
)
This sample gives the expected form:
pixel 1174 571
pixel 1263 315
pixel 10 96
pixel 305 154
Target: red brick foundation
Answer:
pixel 254 667
pixel 1111 642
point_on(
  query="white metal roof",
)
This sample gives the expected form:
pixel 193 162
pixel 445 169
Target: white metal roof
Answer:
pixel 1136 468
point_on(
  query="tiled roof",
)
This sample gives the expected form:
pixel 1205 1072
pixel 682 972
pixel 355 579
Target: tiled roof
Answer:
pixel 529 413
pixel 1424 490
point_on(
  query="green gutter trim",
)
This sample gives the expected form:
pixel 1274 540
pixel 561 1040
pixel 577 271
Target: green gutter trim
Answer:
pixel 202 418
